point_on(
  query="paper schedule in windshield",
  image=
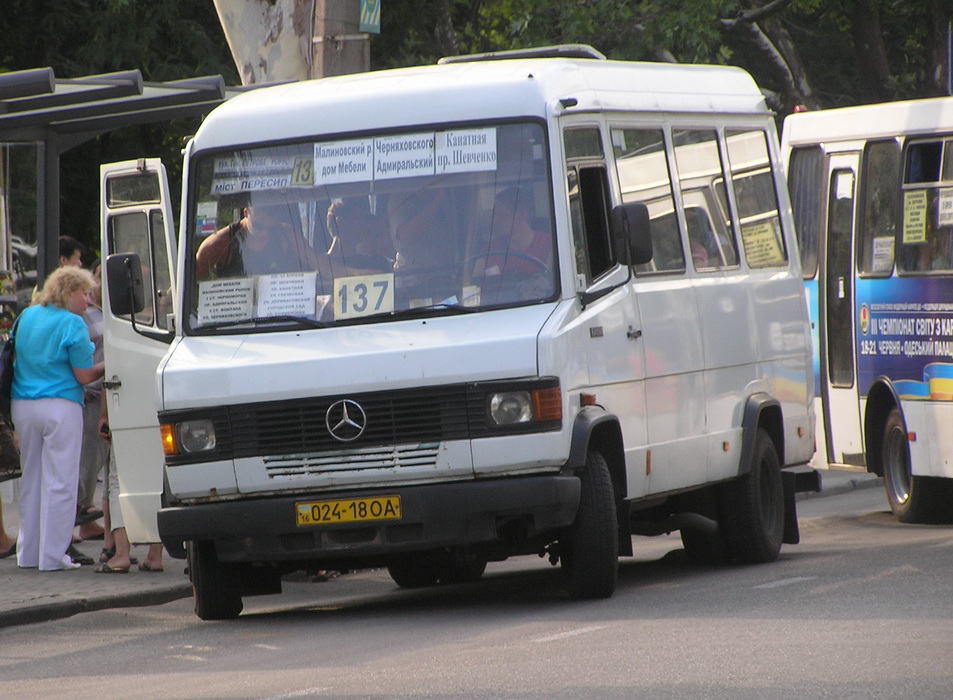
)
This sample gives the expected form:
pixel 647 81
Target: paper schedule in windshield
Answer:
pixel 241 298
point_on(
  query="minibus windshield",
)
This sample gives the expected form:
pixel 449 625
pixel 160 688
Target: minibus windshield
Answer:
pixel 368 228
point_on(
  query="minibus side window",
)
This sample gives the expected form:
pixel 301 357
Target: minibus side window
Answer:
pixel 752 177
pixel 589 200
pixel 879 207
pixel 642 168
pixel 806 187
pixel 700 176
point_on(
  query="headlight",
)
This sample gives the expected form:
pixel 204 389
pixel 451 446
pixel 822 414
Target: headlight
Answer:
pixel 509 407
pixel 195 435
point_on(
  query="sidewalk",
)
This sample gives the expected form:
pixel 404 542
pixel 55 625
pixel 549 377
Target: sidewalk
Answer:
pixel 28 595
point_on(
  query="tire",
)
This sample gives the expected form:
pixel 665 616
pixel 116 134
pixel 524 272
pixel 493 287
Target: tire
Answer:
pixel 413 571
pixel 216 589
pixel 590 547
pixel 703 548
pixel 752 507
pixel 452 570
pixel 913 499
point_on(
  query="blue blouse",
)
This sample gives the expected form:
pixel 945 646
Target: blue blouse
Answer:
pixel 50 341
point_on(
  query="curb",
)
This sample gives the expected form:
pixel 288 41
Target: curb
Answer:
pixel 68 608
pixel 861 480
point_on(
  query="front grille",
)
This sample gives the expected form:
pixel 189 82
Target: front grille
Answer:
pixel 296 429
pixel 403 428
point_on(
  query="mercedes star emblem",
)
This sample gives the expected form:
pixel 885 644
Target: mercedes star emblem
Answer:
pixel 345 420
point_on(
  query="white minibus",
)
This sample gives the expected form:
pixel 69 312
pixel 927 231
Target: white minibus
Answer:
pixel 431 318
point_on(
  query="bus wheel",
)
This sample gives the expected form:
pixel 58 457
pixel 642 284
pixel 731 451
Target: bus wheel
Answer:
pixel 590 547
pixel 216 589
pixel 752 507
pixel 413 571
pixel 913 499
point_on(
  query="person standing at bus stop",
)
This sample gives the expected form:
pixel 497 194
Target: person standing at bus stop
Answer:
pixel 54 361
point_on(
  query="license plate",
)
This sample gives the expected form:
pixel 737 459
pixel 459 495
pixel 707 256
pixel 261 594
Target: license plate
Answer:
pixel 348 510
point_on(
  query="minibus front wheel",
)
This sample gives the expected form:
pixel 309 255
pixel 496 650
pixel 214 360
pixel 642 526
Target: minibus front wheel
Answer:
pixel 589 549
pixel 217 589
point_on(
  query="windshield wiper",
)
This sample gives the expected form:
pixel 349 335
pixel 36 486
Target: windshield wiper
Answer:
pixel 301 321
pixel 418 311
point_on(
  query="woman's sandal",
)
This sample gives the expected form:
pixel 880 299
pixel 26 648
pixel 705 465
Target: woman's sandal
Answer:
pixel 109 552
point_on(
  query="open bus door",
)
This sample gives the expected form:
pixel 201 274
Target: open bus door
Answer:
pixel 136 217
pixel 839 388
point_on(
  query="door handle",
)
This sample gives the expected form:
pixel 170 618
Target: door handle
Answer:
pixel 633 333
pixel 113 383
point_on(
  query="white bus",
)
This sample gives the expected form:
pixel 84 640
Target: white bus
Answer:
pixel 872 193
pixel 567 310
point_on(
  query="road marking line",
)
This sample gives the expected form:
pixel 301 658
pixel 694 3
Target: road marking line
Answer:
pixel 571 633
pixel 786 582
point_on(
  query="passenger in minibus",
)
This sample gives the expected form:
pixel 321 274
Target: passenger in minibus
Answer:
pixel 423 236
pixel 264 241
pixel 360 242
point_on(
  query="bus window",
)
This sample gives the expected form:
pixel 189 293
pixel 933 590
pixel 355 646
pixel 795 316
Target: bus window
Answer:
pixel 756 198
pixel 879 207
pixel 806 185
pixel 642 168
pixel 927 234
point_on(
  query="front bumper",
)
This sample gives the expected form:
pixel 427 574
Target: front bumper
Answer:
pixel 433 516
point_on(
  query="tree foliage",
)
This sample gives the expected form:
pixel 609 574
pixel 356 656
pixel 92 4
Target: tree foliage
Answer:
pixel 819 53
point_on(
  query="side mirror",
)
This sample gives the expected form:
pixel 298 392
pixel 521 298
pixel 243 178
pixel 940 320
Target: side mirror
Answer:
pixel 631 233
pixel 124 279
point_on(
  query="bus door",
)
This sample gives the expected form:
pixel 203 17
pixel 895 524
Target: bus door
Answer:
pixel 839 389
pixel 136 217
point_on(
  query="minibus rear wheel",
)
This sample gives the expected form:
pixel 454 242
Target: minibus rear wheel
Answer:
pixel 590 548
pixel 215 587
pixel 752 507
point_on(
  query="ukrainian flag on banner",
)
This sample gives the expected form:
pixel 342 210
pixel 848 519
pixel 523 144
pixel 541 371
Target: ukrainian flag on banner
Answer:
pixel 371 16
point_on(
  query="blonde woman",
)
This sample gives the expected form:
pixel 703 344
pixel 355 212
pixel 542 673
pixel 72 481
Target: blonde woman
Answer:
pixel 53 363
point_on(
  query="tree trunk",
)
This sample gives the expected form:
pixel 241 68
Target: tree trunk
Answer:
pixel 870 53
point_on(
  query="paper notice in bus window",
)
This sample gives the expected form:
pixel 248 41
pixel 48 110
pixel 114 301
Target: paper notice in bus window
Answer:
pixel 762 248
pixel 344 161
pixel 944 206
pixel 465 151
pixel 882 259
pixel 915 217
pixel 409 155
pixel 844 186
pixel 253 173
pixel 225 300
pixel 287 294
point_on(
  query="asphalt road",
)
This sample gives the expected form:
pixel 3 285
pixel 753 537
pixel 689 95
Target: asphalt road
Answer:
pixel 862 608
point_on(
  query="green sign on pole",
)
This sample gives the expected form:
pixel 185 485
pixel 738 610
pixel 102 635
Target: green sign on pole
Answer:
pixel 371 16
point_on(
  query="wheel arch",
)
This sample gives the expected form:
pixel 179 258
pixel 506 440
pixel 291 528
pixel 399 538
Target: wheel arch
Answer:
pixel 597 429
pixel 881 399
pixel 761 411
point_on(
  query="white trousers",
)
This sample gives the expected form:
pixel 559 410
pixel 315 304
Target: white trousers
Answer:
pixel 51 437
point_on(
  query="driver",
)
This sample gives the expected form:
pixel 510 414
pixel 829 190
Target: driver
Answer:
pixel 513 232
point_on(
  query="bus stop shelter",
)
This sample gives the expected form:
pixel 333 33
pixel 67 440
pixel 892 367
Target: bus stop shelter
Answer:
pixel 42 117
